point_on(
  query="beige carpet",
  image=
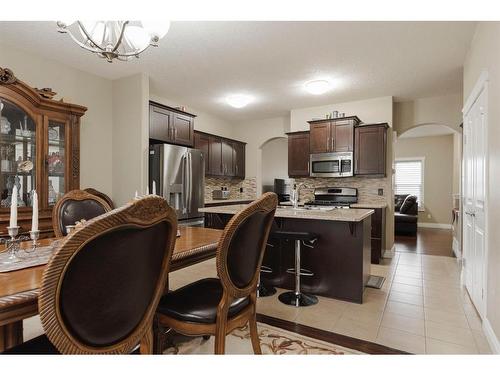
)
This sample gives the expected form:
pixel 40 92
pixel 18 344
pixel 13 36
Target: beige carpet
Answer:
pixel 272 340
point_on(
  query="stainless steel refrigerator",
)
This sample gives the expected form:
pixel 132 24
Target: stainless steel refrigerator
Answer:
pixel 179 176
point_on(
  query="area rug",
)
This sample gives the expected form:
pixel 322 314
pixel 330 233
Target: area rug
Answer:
pixel 273 340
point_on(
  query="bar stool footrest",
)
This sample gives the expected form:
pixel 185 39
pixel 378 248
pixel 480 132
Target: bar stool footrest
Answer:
pixel 266 269
pixel 303 272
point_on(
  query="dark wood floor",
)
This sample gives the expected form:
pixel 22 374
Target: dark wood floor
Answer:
pixel 327 336
pixel 428 241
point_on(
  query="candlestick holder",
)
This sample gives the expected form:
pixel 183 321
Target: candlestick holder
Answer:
pixel 34 235
pixel 12 245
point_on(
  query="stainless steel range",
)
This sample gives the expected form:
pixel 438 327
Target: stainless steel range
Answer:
pixel 335 197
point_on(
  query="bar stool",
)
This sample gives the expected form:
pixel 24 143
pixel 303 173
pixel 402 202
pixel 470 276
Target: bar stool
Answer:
pixel 262 289
pixel 297 298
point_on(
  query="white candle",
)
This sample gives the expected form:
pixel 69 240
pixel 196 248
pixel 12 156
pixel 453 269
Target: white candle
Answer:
pixel 34 218
pixel 154 187
pixel 13 208
pixel 147 190
pixel 136 195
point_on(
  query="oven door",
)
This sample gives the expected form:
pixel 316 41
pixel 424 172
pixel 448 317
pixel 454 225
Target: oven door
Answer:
pixel 325 165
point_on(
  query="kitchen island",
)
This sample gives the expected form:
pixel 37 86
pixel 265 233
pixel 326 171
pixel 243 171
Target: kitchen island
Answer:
pixel 340 259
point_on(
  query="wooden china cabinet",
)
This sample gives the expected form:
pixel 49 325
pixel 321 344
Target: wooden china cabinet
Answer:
pixel 39 149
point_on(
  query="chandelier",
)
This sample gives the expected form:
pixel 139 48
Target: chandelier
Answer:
pixel 121 40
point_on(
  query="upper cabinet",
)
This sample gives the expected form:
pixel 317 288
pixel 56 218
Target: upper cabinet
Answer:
pixel 370 150
pixel 167 124
pixel 298 154
pixel 223 156
pixel 39 150
pixel 332 135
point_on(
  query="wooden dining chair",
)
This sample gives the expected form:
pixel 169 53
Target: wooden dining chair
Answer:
pixel 75 206
pixel 101 195
pixel 101 288
pixel 217 306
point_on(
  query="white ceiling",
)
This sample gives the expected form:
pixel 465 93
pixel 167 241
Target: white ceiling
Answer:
pixel 199 63
pixel 427 131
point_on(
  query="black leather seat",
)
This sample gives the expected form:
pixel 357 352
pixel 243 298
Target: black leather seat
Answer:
pixel 293 236
pixel 197 302
pixel 38 345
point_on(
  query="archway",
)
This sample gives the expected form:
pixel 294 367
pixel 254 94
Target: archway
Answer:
pixel 428 165
pixel 274 162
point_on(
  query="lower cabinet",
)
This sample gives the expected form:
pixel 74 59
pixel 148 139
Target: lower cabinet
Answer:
pixel 377 235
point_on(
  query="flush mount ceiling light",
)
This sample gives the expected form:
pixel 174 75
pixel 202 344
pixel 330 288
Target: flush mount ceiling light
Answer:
pixel 317 87
pixel 238 101
pixel 121 40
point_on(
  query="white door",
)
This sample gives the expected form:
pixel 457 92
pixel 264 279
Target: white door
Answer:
pixel 474 200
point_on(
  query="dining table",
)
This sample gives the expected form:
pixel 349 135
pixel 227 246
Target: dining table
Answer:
pixel 19 289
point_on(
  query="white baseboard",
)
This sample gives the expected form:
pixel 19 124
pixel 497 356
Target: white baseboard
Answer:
pixel 456 249
pixel 491 337
pixel 434 225
pixel 389 253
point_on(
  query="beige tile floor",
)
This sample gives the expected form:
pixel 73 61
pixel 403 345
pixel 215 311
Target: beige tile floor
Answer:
pixel 421 308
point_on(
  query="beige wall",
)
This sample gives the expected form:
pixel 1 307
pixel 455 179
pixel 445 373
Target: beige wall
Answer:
pixel 484 55
pixel 130 137
pixel 275 155
pixel 368 111
pixel 443 110
pixel 438 174
pixel 76 87
pixel 256 133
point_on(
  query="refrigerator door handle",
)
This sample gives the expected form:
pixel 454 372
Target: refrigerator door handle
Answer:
pixel 189 181
pixel 185 182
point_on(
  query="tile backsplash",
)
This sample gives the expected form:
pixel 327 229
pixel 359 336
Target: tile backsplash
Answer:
pixel 249 186
pixel 367 187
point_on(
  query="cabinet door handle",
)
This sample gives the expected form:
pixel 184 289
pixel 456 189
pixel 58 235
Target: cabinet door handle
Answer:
pixel 175 133
pixel 333 143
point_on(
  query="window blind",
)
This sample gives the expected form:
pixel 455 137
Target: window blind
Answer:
pixel 409 179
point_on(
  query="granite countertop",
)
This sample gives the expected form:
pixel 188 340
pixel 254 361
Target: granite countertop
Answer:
pixel 354 205
pixel 369 205
pixel 233 200
pixel 351 215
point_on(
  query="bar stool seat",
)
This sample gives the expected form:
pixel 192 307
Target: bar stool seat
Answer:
pixel 297 298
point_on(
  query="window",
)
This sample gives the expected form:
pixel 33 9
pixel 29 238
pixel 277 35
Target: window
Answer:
pixel 410 178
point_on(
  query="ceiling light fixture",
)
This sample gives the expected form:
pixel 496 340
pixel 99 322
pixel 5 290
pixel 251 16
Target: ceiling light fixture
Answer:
pixel 238 101
pixel 121 40
pixel 317 87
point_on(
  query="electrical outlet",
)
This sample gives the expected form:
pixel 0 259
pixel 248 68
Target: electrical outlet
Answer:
pixel 241 190
pixel 380 192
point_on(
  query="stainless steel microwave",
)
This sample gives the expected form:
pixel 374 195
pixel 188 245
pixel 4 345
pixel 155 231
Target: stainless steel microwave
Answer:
pixel 332 164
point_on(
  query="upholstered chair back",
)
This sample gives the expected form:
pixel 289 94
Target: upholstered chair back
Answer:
pixel 242 246
pixel 102 286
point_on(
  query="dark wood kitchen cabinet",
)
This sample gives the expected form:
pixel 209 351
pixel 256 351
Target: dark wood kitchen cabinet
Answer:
pixel 370 149
pixel 227 158
pixel 332 135
pixel 239 159
pixel 223 156
pixel 167 124
pixel 215 157
pixel 202 143
pixel 298 154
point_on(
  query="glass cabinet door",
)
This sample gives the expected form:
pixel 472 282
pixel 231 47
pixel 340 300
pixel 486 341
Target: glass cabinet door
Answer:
pixel 56 161
pixel 17 154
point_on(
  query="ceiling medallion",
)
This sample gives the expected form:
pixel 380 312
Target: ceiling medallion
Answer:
pixel 7 76
pixel 110 40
